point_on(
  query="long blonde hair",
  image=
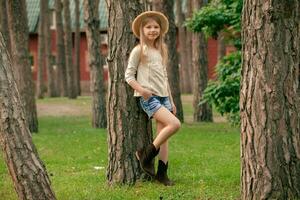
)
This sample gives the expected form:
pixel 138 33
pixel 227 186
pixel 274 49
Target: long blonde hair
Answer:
pixel 159 43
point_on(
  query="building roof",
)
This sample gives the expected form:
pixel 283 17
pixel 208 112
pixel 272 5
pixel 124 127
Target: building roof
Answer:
pixel 33 11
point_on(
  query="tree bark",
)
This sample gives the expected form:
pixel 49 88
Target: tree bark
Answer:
pixel 128 126
pixel 185 83
pixel 48 52
pixel 91 18
pixel 269 104
pixel 173 67
pixel 25 167
pixel 77 47
pixel 17 18
pixel 4 24
pixel 40 87
pixel 60 56
pixel 157 5
pixel 72 92
pixel 200 64
pixel 221 46
pixel 189 46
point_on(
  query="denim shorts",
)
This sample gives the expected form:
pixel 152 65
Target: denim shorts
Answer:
pixel 154 103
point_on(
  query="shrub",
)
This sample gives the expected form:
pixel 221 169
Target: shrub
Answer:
pixel 224 92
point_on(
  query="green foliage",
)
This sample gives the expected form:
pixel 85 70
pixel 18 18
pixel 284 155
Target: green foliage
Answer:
pixel 219 15
pixel 224 92
pixel 209 20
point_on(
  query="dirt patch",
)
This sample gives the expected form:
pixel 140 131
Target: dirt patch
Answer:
pixel 65 108
pixel 44 109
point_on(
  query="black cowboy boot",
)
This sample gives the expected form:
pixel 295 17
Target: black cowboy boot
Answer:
pixel 162 175
pixel 145 157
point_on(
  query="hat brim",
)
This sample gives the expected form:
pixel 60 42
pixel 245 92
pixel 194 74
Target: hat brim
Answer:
pixel 138 20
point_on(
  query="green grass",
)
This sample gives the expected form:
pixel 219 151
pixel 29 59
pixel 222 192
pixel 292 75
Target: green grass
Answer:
pixel 204 162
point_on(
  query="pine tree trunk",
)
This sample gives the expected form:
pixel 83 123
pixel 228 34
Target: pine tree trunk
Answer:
pixel 40 87
pixel 48 53
pixel 173 69
pixel 17 18
pixel 189 47
pixel 91 17
pixel 157 5
pixel 72 93
pixel 25 167
pixel 77 47
pixel 200 64
pixel 269 104
pixel 221 46
pixel 60 57
pixel 4 24
pixel 185 83
pixel 128 126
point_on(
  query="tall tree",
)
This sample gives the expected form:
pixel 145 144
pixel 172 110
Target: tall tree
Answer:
pixel 25 167
pixel 172 68
pixel 18 28
pixel 40 87
pixel 72 92
pixel 4 23
pixel 91 17
pixel 128 126
pixel 184 71
pixel 189 43
pixel 202 112
pixel 157 4
pixel 60 46
pixel 221 45
pixel 269 103
pixel 77 47
pixel 48 52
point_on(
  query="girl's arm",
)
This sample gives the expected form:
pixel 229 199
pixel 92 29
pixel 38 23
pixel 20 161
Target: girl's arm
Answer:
pixel 169 91
pixel 130 73
pixel 171 99
pixel 144 92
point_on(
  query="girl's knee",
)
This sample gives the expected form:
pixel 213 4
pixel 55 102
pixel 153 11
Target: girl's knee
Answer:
pixel 176 125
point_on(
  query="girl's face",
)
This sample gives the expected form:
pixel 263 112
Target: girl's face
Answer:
pixel 151 30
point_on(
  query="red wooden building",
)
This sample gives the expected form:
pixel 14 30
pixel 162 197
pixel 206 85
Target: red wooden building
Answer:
pixel 33 15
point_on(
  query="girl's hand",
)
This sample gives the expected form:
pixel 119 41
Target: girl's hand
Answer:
pixel 146 94
pixel 174 108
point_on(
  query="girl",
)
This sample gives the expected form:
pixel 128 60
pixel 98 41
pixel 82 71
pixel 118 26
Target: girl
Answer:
pixel 148 61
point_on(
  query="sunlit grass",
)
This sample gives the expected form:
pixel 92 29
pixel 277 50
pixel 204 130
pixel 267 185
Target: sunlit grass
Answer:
pixel 204 162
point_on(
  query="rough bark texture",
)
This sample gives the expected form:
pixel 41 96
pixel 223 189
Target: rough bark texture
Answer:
pixel 40 87
pixel 221 46
pixel 48 54
pixel 60 46
pixel 17 18
pixel 185 83
pixel 157 4
pixel 77 48
pixel 270 114
pixel 128 126
pixel 24 165
pixel 173 67
pixel 200 64
pixel 4 24
pixel 189 44
pixel 72 93
pixel 91 17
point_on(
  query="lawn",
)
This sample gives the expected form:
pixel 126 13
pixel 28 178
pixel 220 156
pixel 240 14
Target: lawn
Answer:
pixel 204 160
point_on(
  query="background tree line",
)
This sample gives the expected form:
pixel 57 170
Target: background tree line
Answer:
pixel 269 141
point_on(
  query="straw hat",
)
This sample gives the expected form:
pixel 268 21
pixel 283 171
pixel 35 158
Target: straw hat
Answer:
pixel 138 20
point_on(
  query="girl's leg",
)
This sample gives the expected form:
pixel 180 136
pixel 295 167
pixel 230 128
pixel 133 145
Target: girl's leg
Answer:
pixel 163 152
pixel 171 125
